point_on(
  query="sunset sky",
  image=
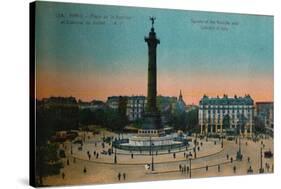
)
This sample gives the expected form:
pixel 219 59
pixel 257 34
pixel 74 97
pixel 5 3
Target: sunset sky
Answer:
pixel 109 57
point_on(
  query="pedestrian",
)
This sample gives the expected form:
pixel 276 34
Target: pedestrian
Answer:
pixel 267 167
pixel 67 162
pixel 124 176
pixel 62 175
pixel 97 156
pixel 231 159
pixel 198 148
pixel 132 156
pixel 174 155
pixel 248 159
pixel 219 168
pixel 227 156
pixel 234 169
pixel 207 167
pixel 184 154
pixel 250 170
pixel 85 170
pixel 180 167
pixel 89 156
pixel 119 176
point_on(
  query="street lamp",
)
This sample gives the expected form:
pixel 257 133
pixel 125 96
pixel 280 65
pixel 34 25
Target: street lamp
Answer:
pixel 188 157
pixel 151 153
pixel 195 143
pixel 152 160
pixel 239 155
pixel 261 168
pixel 115 153
pixel 189 167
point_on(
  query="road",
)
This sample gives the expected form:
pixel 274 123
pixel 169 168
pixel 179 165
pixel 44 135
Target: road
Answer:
pixel 102 170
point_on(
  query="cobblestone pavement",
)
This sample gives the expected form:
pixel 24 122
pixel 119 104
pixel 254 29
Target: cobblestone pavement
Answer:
pixel 210 161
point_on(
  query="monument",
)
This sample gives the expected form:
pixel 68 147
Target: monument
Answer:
pixel 151 135
pixel 152 119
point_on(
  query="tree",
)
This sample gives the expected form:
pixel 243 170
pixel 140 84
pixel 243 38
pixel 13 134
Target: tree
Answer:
pixel 192 120
pixel 226 122
pixel 47 162
pixel 50 118
pixel 259 126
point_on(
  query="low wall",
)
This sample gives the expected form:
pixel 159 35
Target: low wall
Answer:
pixel 119 145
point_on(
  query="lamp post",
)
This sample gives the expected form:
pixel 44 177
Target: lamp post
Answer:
pixel 189 167
pixel 152 160
pixel 195 143
pixel 221 141
pixel 151 153
pixel 115 152
pixel 239 155
pixel 261 168
pixel 188 157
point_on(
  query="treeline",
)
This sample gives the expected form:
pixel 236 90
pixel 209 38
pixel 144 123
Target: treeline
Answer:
pixel 54 117
pixel 50 119
pixel 186 121
pixel 111 119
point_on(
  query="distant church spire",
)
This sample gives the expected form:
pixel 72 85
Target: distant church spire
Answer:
pixel 180 97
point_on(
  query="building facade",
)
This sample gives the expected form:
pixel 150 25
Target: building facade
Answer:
pixel 114 102
pixel 264 111
pixel 93 105
pixel 135 107
pixel 219 115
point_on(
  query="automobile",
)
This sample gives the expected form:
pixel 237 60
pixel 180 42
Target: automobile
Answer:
pixel 268 154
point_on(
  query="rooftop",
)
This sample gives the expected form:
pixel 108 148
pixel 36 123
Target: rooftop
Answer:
pixel 225 100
